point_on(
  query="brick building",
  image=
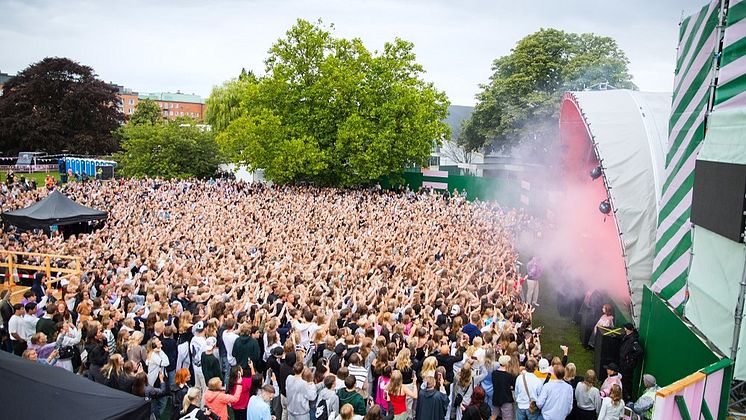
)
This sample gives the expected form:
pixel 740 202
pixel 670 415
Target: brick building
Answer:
pixel 172 104
pixel 178 104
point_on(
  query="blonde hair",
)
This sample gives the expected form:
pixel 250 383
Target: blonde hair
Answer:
pixel 214 384
pixel 346 412
pixel 191 396
pixel 429 365
pixel 394 387
pixel 115 364
pixel 404 359
pixel 570 370
pixel 150 347
pixel 615 394
pixel 136 338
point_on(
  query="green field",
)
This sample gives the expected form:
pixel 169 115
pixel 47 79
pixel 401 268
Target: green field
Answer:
pixel 38 176
pixel 559 331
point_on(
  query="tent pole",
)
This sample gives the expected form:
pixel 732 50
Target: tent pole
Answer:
pixel 739 314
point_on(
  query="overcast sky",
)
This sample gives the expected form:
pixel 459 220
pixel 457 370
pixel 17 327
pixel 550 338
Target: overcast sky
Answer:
pixel 192 45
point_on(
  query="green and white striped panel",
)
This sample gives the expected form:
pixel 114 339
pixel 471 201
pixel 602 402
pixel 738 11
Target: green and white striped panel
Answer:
pixel 731 89
pixel 694 73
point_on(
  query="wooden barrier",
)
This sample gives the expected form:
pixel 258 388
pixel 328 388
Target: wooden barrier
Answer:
pixel 8 261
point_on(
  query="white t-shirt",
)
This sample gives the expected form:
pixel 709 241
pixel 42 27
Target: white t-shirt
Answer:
pixel 14 326
pixel 229 339
pixel 306 330
pixel 197 347
pixel 28 327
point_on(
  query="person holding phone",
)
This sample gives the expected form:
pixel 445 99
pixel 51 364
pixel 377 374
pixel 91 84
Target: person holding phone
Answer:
pixel 432 402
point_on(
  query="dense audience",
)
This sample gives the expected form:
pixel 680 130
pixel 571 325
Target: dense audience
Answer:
pixel 223 300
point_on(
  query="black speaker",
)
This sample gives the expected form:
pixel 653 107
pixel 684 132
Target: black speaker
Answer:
pixel 607 344
pixel 719 198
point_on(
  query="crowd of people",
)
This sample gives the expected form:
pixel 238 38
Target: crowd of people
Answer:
pixel 222 300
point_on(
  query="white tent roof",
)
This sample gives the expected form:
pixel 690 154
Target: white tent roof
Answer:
pixel 630 131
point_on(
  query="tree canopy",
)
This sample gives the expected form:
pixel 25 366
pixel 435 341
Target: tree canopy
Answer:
pixel 329 111
pixel 167 149
pixel 147 111
pixel 55 105
pixel 520 103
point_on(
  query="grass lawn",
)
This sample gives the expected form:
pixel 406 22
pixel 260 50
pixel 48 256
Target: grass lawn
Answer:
pixel 558 330
pixel 38 176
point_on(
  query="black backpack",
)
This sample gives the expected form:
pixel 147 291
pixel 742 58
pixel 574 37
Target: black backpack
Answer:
pixel 322 411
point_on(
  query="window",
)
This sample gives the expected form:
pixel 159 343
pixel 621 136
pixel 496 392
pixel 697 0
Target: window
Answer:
pixel 131 111
pixel 170 105
pixel 131 101
pixel 171 113
pixel 165 113
pixel 181 113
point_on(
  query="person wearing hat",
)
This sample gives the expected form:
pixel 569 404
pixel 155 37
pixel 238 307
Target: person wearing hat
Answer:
pixel 644 405
pixel 544 373
pixel 502 388
pixel 210 363
pixel 196 348
pixel 630 354
pixel 527 388
pixel 456 312
pixel 613 377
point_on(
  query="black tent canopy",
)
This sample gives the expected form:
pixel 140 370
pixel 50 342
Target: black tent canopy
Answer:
pixel 55 209
pixel 34 391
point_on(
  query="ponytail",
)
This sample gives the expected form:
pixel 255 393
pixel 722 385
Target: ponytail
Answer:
pixel 190 396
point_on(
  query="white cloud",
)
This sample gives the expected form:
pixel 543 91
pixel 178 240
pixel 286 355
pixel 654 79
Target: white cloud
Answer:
pixel 194 45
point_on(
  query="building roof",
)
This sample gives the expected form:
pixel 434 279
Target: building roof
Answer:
pixel 172 97
pixel 4 77
pixel 456 115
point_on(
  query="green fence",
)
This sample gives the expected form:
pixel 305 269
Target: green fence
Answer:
pixel 673 349
pixel 504 191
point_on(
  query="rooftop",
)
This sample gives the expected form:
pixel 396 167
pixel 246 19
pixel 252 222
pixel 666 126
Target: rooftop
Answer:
pixel 4 77
pixel 172 97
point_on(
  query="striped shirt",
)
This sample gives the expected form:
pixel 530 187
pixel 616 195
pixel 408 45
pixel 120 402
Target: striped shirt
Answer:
pixel 360 374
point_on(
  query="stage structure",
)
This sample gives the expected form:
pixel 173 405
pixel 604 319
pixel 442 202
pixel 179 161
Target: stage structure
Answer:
pixel 613 158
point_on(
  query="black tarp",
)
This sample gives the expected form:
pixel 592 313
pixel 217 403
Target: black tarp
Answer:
pixel 55 209
pixel 29 390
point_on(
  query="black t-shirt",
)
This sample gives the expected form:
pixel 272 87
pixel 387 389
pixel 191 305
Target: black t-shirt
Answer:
pixel 502 383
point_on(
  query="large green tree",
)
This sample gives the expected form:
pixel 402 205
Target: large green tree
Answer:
pixel 329 111
pixel 146 112
pixel 55 105
pixel 520 103
pixel 167 149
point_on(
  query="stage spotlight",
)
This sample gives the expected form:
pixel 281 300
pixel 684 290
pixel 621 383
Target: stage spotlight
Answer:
pixel 605 207
pixel 596 172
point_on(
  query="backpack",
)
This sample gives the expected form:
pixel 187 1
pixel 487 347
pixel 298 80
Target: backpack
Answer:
pixel 334 363
pixel 192 415
pixel 322 411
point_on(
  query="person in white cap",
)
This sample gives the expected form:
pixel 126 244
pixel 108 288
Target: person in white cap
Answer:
pixel 196 348
pixel 210 363
pixel 644 405
pixel 544 371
